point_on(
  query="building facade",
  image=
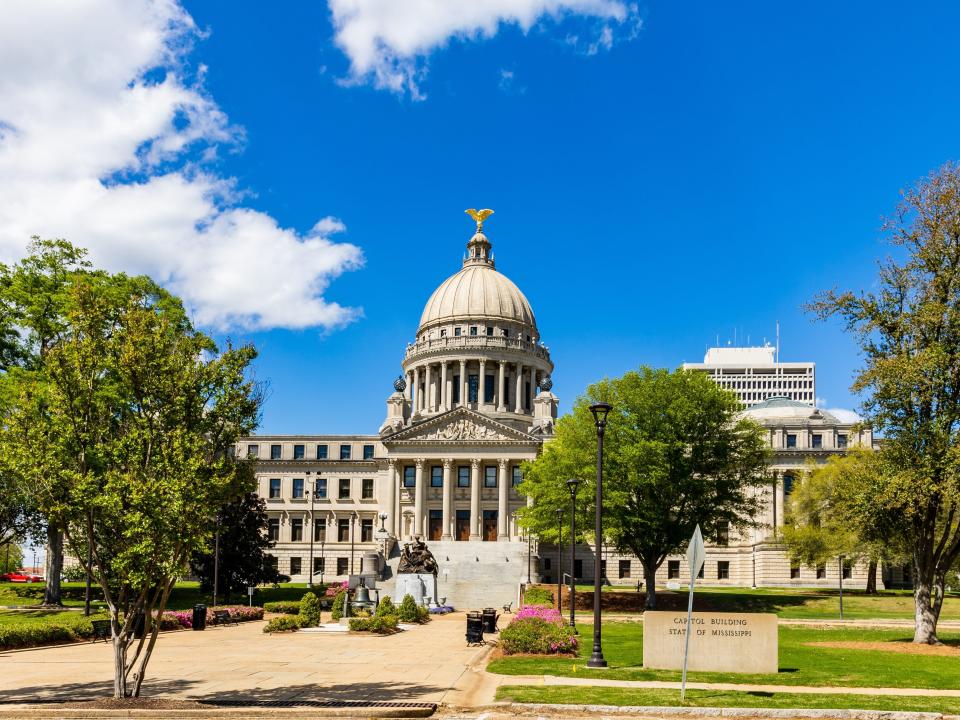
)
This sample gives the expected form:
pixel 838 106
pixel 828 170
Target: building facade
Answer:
pixel 755 374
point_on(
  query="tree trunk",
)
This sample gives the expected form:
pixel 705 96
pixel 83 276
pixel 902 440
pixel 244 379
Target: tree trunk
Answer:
pixel 650 579
pixel 926 611
pixel 54 566
pixel 119 662
pixel 872 578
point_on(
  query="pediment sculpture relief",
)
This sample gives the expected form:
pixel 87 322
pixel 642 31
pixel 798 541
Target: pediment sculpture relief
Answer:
pixel 464 429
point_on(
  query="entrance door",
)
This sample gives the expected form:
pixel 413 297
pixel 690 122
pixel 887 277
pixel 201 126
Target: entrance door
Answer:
pixel 435 528
pixel 489 524
pixel 463 524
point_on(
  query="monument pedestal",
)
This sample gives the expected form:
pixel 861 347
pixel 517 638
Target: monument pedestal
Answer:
pixel 420 586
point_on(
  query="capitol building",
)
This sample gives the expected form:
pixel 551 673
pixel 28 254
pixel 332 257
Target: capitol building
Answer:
pixel 473 403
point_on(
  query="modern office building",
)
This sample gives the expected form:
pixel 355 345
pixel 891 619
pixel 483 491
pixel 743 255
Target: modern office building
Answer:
pixel 756 375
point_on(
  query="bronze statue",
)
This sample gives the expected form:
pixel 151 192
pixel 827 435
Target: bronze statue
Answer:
pixel 415 558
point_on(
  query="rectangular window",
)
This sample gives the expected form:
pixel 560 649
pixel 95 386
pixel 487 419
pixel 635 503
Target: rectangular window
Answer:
pixel 321 452
pixel 816 440
pixel 624 568
pixel 463 476
pixel 344 489
pixel 603 568
pixel 473 329
pixel 298 452
pixel 298 488
pixel 274 488
pixel 320 489
pixel 344 452
pixel 488 389
pixel 700 574
pixel 294 566
pixel 253 451
pixel 723 533
pixel 456 389
pixel 436 476
pixel 821 572
pixel 673 569
pixel 723 570
pixel 272 562
pixel 343 530
pixel 842 442
pixel 342 566
pixel 526 397
pixel 366 530
pixel 320 530
pixel 794 572
pixel 368 452
pixel 847 569
pixel 578 568
pixel 791 440
pixel 276 451
pixel 546 563
pixel 787 485
pixel 490 476
pixel 457 331
pixel 273 529
pixel 366 489
pixel 473 387
pixel 318 565
pixel 409 476
pixel 517 476
pixel 489 331
pixel 296 530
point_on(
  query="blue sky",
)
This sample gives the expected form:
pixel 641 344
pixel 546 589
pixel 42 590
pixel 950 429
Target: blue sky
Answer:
pixel 662 175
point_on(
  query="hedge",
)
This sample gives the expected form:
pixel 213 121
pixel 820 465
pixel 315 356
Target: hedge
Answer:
pixel 281 624
pixel 284 607
pixel 65 627
pixel 380 624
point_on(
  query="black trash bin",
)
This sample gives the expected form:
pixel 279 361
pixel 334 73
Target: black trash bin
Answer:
pixel 489 620
pixel 199 617
pixel 474 628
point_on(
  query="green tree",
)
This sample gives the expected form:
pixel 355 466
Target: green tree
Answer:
pixel 124 431
pixel 908 330
pixel 676 455
pixel 243 548
pixel 11 556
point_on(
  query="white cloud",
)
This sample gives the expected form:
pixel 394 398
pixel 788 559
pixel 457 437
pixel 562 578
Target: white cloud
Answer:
pixel 108 139
pixel 844 416
pixel 386 41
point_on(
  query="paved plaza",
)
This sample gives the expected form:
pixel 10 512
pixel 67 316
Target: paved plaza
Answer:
pixel 429 663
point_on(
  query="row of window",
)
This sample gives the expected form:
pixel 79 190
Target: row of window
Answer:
pixel 723 570
pixel 344 486
pixel 489 390
pixel 299 452
pixel 623 569
pixel 765 384
pixel 816 441
pixel 821 571
pixel 463 476
pixel 760 396
pixel 320 530
pixel 319 565
pixel 476 331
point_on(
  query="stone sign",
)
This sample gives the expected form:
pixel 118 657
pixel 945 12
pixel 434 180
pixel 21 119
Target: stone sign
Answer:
pixel 720 642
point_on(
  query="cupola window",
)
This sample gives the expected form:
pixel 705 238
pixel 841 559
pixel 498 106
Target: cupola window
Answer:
pixel 489 331
pixel 456 332
pixel 443 333
pixel 473 330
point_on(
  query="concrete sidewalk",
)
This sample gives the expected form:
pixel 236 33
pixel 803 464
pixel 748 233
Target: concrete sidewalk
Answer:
pixel 242 663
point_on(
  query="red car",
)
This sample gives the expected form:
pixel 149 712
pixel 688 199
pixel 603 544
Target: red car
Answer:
pixel 21 576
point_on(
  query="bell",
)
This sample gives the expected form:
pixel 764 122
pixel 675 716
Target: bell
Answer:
pixel 362 595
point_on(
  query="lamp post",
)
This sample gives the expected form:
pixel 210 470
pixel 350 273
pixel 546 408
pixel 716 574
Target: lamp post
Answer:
pixel 322 541
pixel 559 559
pixel 599 411
pixel 572 484
pixel 216 562
pixel 529 556
pixel 313 531
pixel 353 521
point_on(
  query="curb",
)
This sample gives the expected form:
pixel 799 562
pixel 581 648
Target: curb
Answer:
pixel 231 713
pixel 730 712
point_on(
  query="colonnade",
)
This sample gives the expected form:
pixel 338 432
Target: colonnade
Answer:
pixel 437 379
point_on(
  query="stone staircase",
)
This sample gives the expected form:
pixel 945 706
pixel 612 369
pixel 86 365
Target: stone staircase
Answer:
pixel 473 575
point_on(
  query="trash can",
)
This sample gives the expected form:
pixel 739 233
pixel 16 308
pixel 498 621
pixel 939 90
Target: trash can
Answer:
pixel 489 620
pixel 474 628
pixel 199 617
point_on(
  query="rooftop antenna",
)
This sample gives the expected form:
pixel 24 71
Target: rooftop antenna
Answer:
pixel 777 359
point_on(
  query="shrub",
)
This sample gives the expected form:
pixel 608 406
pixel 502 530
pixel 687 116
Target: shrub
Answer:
pixel 309 611
pixel 423 615
pixel 284 607
pixel 282 624
pixel 74 573
pixel 64 627
pixel 335 589
pixel 386 607
pixel 537 596
pixel 238 613
pixel 184 617
pixel 170 621
pixel 407 612
pixel 379 624
pixel 538 630
pixel 338 602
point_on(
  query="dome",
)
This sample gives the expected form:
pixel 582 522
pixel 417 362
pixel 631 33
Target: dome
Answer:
pixel 477 292
pixel 784 408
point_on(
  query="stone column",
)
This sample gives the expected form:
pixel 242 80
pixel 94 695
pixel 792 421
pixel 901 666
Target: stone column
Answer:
pixel 393 499
pixel 419 395
pixel 533 386
pixel 501 387
pixel 447 500
pixel 428 391
pixel 463 383
pixel 408 391
pixel 418 499
pixel 503 487
pixel 482 390
pixel 519 398
pixel 475 518
pixel 444 395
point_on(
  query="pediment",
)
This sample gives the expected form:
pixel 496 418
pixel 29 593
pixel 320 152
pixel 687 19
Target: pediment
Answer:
pixel 460 426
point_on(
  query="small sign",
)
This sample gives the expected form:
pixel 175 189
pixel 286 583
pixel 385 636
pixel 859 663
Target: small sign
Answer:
pixel 251 591
pixel 696 554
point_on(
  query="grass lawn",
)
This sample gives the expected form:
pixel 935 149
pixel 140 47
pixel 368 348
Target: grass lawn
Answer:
pixel 17 617
pixel 718 698
pixel 800 663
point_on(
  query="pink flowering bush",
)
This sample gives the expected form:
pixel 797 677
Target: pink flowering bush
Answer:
pixel 538 630
pixel 184 618
pixel 335 589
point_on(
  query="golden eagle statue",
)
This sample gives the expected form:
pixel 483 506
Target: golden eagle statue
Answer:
pixel 479 216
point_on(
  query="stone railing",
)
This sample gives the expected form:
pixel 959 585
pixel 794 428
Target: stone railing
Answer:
pixel 477 342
